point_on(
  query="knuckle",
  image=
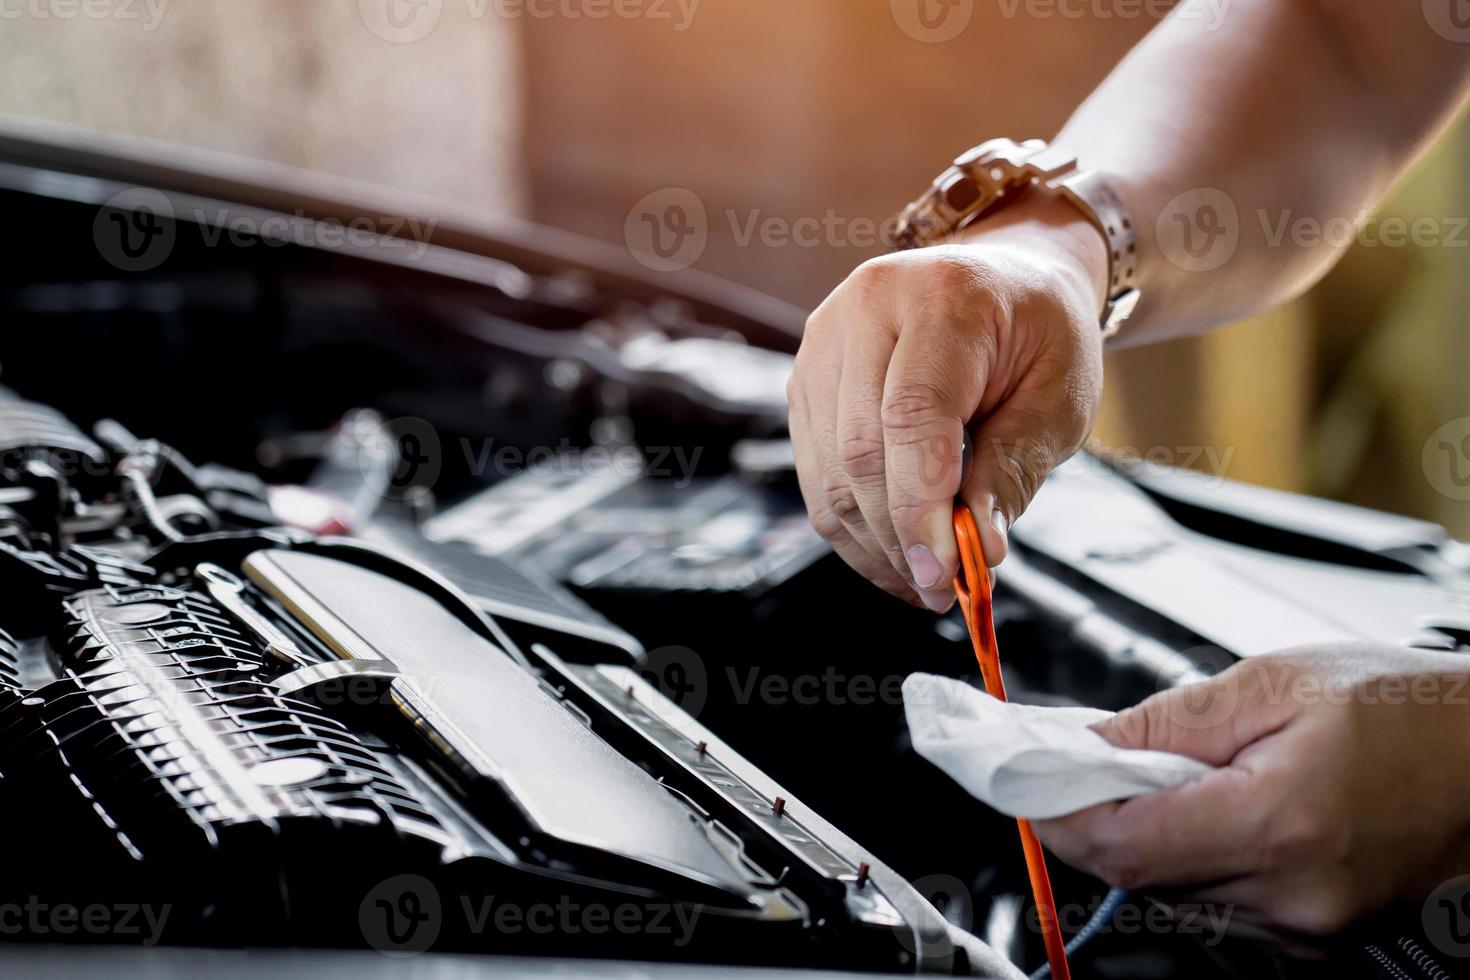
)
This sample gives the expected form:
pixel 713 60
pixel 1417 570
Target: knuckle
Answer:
pixel 860 451
pixel 906 510
pixel 1303 834
pixel 819 320
pixel 911 407
pixel 826 521
pixel 1138 725
pixel 841 502
pixel 972 290
pixel 844 506
pixel 953 268
pixel 1121 867
pixel 1107 851
pixel 1328 909
pixel 1020 474
pixel 871 280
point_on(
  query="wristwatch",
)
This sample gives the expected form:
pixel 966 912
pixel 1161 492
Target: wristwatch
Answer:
pixel 993 174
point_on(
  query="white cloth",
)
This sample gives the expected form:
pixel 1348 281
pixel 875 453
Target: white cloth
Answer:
pixel 1027 761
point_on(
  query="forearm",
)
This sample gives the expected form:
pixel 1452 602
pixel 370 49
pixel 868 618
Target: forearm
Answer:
pixel 1288 109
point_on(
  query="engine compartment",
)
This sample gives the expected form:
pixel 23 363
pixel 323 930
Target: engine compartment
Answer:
pixel 277 520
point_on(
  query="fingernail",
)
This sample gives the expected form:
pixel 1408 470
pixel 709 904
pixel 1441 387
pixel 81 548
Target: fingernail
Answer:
pixel 999 522
pixel 925 567
pixel 936 601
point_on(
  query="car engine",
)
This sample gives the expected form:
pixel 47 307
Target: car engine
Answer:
pixel 467 604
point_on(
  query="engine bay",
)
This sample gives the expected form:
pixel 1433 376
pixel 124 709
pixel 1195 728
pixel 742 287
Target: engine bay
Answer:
pixel 469 605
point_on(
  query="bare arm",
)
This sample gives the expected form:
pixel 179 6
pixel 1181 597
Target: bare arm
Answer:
pixel 1214 137
pixel 1292 109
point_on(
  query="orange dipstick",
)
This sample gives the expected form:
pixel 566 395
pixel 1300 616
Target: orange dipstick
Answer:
pixel 972 585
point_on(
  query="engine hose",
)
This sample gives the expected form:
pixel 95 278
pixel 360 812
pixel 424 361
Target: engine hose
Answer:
pixel 138 469
pixel 1101 919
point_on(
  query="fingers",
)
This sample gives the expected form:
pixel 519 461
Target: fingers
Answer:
pixel 834 460
pixel 1206 830
pixel 859 457
pixel 825 519
pixel 935 380
pixel 1212 720
pixel 895 366
pixel 1225 824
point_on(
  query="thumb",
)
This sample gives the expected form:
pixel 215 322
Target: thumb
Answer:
pixel 1210 720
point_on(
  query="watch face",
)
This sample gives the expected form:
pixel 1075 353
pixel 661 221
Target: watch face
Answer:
pixel 961 192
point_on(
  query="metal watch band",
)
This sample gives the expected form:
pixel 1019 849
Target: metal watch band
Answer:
pixel 988 176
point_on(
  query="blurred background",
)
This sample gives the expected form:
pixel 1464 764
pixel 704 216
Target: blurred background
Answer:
pixel 799 126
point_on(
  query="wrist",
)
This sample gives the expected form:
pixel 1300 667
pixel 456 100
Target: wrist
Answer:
pixel 1051 223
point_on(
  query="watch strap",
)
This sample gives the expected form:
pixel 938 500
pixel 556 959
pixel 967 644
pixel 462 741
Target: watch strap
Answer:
pixel 982 179
pixel 1091 194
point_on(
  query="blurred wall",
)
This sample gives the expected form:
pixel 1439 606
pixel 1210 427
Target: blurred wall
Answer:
pixel 836 112
pixel 329 85
pixel 839 112
pixel 786 110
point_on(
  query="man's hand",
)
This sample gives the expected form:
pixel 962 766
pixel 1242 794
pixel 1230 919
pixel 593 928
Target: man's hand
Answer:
pixel 1341 788
pixel 995 338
